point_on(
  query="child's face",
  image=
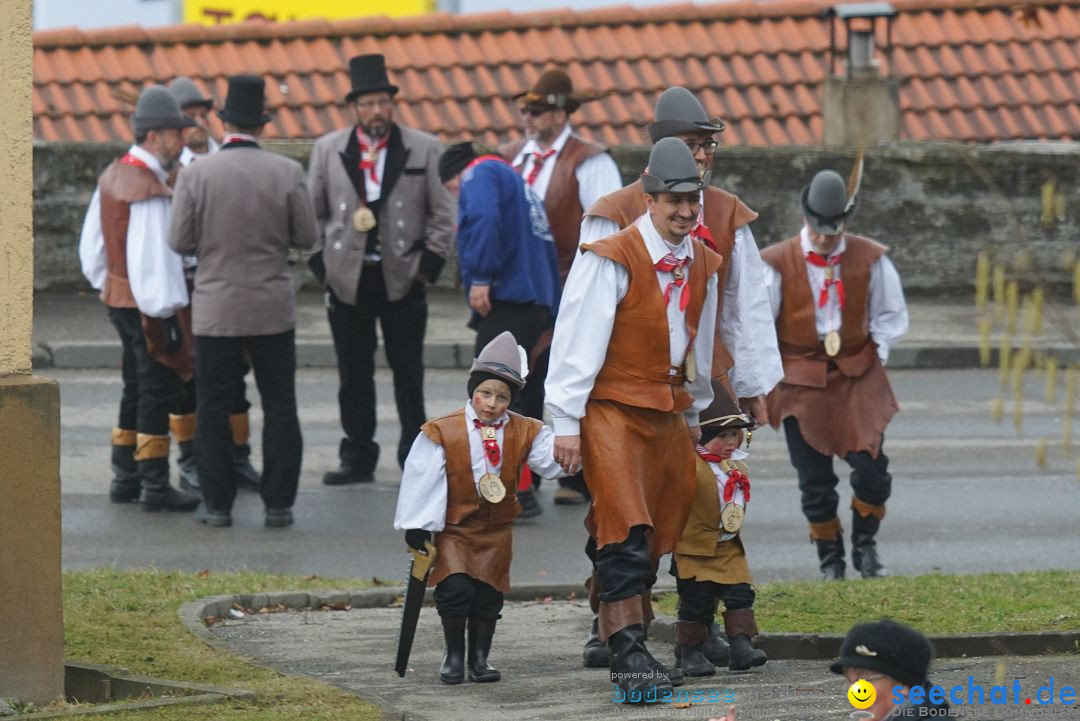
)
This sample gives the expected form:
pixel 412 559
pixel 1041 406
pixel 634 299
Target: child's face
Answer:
pixel 490 400
pixel 725 444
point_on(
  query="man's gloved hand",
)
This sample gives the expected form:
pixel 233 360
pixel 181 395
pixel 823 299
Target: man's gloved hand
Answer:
pixel 173 336
pixel 417 537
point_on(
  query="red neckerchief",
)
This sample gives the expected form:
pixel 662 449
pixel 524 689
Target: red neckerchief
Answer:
pixel 238 138
pixel 130 159
pixel 828 263
pixel 491 445
pixel 481 158
pixel 701 232
pixel 669 264
pixel 735 477
pixel 369 156
pixel 538 164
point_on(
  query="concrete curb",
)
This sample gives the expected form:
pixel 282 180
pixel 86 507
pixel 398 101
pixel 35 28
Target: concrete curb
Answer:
pixel 196 615
pixel 320 354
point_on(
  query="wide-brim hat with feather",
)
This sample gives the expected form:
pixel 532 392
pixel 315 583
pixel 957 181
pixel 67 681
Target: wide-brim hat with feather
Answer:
pixel 724 413
pixel 504 359
pixel 554 89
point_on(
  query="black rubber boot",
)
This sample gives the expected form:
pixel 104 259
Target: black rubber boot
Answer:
pixel 690 649
pixel 125 486
pixel 481 631
pixel 452 670
pixel 157 494
pixel 716 648
pixel 744 655
pixel 831 556
pixel 864 556
pixel 530 503
pixel 633 668
pixel 247 477
pixel 185 465
pixel 595 654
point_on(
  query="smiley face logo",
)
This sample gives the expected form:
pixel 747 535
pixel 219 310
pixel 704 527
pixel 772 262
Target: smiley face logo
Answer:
pixel 862 694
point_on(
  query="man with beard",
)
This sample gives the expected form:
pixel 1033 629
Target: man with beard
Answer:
pixel 124 255
pixel 199 143
pixel 745 358
pixel 385 227
pixel 631 369
pixel 568 173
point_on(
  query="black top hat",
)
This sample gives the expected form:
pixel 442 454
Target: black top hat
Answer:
pixel 245 105
pixel 367 74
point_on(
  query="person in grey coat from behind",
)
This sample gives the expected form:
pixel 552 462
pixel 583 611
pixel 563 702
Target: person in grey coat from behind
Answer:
pixel 240 211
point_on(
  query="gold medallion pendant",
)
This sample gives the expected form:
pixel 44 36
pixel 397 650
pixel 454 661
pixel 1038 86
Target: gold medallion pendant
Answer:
pixel 488 433
pixel 691 366
pixel 832 343
pixel 492 488
pixel 363 219
pixel 732 517
pixel 677 273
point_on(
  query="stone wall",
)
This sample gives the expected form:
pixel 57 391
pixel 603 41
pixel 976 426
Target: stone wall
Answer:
pixel 935 204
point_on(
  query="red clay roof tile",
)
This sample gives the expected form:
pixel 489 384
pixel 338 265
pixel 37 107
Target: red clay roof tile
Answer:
pixel 979 70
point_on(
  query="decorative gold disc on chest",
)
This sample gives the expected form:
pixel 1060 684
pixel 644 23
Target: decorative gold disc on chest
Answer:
pixel 363 219
pixel 832 343
pixel 492 488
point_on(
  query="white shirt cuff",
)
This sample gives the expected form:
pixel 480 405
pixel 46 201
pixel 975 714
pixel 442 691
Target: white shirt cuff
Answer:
pixel 566 426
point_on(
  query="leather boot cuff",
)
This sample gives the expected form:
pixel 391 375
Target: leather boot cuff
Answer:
pixel 691 633
pixel 826 531
pixel 646 607
pixel 238 423
pixel 148 447
pixel 121 437
pixel 865 509
pixel 617 615
pixel 740 620
pixel 182 427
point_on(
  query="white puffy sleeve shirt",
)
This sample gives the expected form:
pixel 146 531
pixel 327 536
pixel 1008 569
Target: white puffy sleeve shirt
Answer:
pixel 591 296
pixel 423 495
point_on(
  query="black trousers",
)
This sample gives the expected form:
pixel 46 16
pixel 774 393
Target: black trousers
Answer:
pixel 624 569
pixel 528 322
pixel 217 364
pixel 870 479
pixel 403 324
pixel 462 595
pixel 698 599
pixel 151 389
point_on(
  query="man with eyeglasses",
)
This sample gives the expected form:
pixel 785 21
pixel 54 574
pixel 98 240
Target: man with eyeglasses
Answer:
pixel 568 173
pixel 385 227
pixel 745 354
pixel 631 363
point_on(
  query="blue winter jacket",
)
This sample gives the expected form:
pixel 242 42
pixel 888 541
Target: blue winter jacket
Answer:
pixel 503 237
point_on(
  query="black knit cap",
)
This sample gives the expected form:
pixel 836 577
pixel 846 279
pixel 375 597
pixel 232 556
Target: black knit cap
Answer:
pixel 478 377
pixel 889 647
pixel 455 159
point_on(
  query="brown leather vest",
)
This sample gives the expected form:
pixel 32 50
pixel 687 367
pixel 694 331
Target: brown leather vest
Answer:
pixel 703 526
pixel 724 214
pixel 120 186
pixel 803 353
pixel 562 202
pixel 451 433
pixel 637 366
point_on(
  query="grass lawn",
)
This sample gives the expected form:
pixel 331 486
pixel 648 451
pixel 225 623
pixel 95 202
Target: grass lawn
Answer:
pixel 935 604
pixel 129 619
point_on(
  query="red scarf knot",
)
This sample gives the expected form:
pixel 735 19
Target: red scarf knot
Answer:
pixel 701 232
pixel 130 159
pixel 670 264
pixel 735 477
pixel 830 277
pixel 491 445
pixel 538 164
pixel 369 154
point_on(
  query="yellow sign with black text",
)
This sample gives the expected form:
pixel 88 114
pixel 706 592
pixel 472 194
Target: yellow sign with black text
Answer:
pixel 218 12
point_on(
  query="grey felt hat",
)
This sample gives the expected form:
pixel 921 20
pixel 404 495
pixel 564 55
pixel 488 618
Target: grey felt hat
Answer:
pixel 678 111
pixel 504 359
pixel 671 169
pixel 187 93
pixel 825 203
pixel 157 109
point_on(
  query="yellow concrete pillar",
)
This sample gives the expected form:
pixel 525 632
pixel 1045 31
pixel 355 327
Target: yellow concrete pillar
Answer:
pixel 31 610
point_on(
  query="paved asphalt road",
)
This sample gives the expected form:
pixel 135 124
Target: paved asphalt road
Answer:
pixel 967 496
